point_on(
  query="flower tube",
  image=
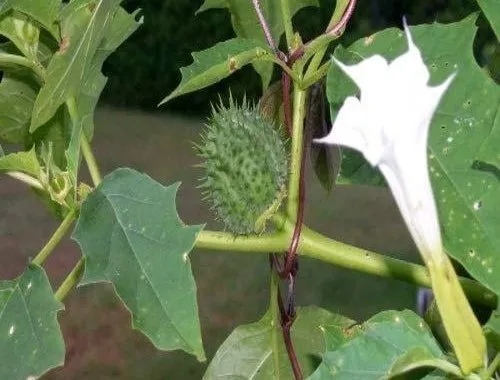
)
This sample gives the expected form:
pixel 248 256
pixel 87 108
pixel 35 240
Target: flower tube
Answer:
pixel 389 124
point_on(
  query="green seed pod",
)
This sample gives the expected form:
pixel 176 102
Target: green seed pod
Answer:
pixel 246 167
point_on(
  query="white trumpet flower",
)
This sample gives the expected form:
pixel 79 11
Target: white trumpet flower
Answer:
pixel 389 125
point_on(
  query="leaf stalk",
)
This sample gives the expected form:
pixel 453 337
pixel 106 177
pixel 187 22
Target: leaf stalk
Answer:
pixel 70 281
pixel 89 157
pixel 27 179
pixel 56 238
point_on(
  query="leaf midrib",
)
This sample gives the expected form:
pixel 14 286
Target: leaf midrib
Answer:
pixel 140 264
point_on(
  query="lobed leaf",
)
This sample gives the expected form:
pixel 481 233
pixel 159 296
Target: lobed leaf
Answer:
pixel 130 235
pixel 246 24
pixel 391 340
pixel 250 352
pixel 218 62
pixel 83 26
pixel 467 192
pixel 123 24
pixel 32 342
pixel 26 162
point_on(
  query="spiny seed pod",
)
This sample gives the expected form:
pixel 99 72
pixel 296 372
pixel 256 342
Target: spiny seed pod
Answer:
pixel 246 167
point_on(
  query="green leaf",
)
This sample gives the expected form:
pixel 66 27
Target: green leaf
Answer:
pixel 248 353
pixel 492 329
pixel 246 24
pixel 17 96
pixel 218 62
pixel 119 29
pixel 18 28
pixel 25 162
pixel 467 193
pixel 355 170
pixel 32 342
pixel 491 9
pixel 122 26
pixel 131 236
pixel 384 339
pixel 489 152
pixel 55 133
pixel 47 46
pixel 45 12
pixel 419 358
pixel 83 27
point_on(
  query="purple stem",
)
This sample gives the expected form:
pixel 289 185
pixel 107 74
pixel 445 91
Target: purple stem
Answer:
pixel 264 25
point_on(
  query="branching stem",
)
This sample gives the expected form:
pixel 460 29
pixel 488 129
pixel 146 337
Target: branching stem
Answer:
pixel 317 246
pixel 56 238
pixel 315 76
pixel 317 47
pixel 492 368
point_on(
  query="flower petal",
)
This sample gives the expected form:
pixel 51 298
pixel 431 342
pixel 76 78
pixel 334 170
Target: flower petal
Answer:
pixel 369 75
pixel 409 68
pixel 350 130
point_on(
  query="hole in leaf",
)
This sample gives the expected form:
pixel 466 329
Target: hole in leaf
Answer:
pixel 478 205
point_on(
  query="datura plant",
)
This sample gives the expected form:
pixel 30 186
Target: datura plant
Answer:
pixel 411 109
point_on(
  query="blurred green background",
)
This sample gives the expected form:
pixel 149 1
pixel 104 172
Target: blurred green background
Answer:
pixel 232 289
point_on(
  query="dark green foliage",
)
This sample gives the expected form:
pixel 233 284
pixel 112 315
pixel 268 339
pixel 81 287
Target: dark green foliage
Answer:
pixel 147 66
pixel 246 166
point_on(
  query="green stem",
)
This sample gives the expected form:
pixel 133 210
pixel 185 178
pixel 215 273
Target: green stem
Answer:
pixel 70 281
pixel 340 9
pixel 89 157
pixel 275 321
pixel 27 179
pixel 13 60
pixel 84 144
pixel 287 21
pixel 299 100
pixel 317 47
pixel 330 251
pixel 55 239
pixel 315 76
pixel 490 371
pixel 283 65
pixel 317 246
pixel 226 241
pixel 315 62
